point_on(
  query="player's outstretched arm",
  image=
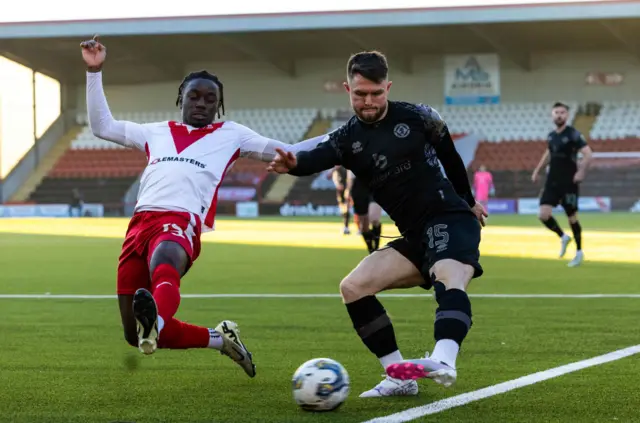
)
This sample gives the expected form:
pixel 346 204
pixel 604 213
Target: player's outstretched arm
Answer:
pixel 323 157
pixel 101 121
pixel 258 147
pixel 300 159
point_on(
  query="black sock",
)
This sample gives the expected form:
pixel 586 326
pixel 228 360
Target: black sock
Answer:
pixel 453 315
pixel 577 234
pixel 368 239
pixel 373 325
pixel 377 231
pixel 346 217
pixel 553 225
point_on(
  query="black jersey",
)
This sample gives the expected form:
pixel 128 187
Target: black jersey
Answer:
pixel 397 158
pixel 563 153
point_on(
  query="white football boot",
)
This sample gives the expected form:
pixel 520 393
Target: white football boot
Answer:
pixel 564 243
pixel 233 347
pixel 577 260
pixel 390 387
pixel 426 367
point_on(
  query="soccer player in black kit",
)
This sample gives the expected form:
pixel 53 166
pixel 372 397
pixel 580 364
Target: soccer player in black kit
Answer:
pixel 339 178
pixel 564 178
pixel 394 147
pixel 367 211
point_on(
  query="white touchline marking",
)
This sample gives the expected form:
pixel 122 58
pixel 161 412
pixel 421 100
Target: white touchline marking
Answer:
pixel 111 296
pixel 501 388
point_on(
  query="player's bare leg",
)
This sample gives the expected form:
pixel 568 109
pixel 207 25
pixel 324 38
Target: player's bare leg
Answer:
pixel 375 214
pixel 577 235
pixel 383 269
pixel 546 217
pixel 125 302
pixel 453 321
pixel 154 311
pixel 365 231
pixel 346 215
pixel 356 220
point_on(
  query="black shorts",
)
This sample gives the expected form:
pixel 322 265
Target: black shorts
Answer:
pixel 361 198
pixel 566 195
pixel 447 236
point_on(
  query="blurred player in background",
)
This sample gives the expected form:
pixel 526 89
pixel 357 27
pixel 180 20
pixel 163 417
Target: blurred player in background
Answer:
pixel 483 185
pixel 564 178
pixel 177 201
pixel 367 212
pixel 339 177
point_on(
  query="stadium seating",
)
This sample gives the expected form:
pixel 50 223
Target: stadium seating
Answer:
pixel 617 120
pixel 513 133
pixel 513 162
pixel 495 122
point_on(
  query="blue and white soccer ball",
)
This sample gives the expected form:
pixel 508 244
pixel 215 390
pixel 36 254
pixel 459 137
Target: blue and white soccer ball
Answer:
pixel 320 384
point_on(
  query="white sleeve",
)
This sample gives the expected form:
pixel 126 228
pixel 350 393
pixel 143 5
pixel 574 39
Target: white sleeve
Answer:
pixel 102 123
pixel 308 144
pixel 255 146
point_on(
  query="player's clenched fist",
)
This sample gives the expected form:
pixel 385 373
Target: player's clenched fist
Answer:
pixel 93 53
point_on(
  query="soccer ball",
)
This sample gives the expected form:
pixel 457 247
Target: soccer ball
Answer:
pixel 320 384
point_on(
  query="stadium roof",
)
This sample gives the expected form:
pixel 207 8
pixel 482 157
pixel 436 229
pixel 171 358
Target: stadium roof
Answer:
pixel 160 48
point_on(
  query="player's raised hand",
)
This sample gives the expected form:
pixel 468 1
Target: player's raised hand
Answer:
pixel 283 162
pixel 93 53
pixel 480 212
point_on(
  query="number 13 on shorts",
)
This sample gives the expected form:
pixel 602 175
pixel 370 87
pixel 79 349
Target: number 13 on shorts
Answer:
pixel 176 230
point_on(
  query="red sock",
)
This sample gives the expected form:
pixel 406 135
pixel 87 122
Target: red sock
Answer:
pixel 165 287
pixel 179 335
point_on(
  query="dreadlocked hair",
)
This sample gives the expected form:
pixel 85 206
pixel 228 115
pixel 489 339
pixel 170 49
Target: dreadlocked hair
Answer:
pixel 203 74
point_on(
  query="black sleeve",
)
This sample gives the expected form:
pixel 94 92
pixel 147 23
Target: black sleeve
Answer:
pixel 440 139
pixel 324 156
pixel 579 139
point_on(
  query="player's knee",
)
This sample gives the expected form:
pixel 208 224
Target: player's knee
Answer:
pixel 354 287
pixel 452 273
pixel 544 214
pixel 169 253
pixel 573 218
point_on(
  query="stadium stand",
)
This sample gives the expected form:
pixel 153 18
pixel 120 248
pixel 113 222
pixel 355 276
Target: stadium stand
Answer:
pixel 617 120
pixel 513 133
pixel 494 122
pixel 512 162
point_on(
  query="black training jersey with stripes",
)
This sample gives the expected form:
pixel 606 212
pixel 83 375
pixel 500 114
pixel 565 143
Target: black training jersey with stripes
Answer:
pixel 398 159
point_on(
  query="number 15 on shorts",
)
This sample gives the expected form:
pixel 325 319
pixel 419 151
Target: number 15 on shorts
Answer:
pixel 438 237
